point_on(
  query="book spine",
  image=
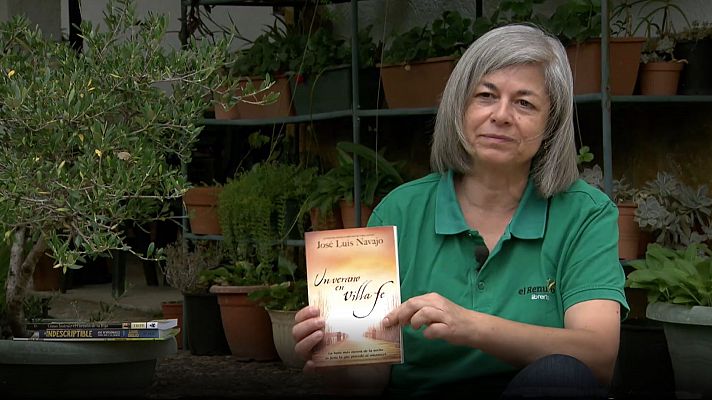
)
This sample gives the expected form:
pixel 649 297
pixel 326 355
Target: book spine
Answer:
pixel 33 326
pixel 98 333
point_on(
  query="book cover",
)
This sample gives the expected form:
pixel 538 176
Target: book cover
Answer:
pixel 70 324
pixel 89 334
pixel 353 279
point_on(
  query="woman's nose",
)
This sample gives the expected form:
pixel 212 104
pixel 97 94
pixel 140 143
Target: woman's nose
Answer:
pixel 501 113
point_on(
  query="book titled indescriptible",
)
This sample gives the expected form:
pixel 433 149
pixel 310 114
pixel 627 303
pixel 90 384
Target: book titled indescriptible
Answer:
pixel 90 334
pixel 353 279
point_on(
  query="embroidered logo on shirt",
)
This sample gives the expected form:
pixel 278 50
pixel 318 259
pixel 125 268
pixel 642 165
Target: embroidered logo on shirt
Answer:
pixel 539 292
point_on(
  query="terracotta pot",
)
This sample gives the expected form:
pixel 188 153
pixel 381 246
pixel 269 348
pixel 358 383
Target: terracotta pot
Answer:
pixel 348 214
pixel 628 232
pixel 660 78
pixel 247 326
pixel 221 112
pixel 174 310
pixel 321 223
pixel 202 206
pixel 585 61
pixel 282 323
pixel 281 108
pixel 418 84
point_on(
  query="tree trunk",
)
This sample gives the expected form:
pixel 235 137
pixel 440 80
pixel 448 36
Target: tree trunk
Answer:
pixel 18 279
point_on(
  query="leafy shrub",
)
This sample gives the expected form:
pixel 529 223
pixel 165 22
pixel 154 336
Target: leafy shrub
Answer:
pixel 682 276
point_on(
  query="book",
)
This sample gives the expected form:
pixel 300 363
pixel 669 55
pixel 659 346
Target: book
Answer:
pixel 98 334
pixel 73 324
pixel 353 279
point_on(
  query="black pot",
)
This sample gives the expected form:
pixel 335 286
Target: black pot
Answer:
pixel 203 325
pixel 696 77
pixel 643 369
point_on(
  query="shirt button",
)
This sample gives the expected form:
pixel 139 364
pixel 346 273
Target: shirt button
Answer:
pixel 481 286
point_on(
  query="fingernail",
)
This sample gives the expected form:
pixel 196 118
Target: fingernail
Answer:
pixel 386 321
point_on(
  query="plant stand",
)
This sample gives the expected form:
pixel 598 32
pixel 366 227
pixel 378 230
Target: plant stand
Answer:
pixel 247 326
pixel 40 369
pixel 688 331
pixel 282 323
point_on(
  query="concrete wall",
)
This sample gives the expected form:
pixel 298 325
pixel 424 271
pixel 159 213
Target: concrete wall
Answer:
pixel 250 21
pixel 401 15
pixel 44 13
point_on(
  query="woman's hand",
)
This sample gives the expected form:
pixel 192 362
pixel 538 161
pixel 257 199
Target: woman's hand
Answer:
pixel 360 380
pixel 308 331
pixel 443 319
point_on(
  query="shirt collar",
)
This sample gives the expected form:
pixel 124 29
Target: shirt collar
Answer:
pixel 529 220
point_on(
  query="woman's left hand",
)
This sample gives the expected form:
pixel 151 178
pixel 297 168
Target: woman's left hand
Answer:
pixel 442 318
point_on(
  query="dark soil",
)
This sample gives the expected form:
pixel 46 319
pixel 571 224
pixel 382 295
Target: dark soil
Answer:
pixel 186 376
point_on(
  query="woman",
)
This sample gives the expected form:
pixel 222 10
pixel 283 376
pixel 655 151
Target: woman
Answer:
pixel 509 264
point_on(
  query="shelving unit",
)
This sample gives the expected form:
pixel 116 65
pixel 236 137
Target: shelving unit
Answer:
pixel 603 97
pixel 355 113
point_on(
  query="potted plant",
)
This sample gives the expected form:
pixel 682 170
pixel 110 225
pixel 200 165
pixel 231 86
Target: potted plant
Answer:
pixel 201 205
pixel 660 70
pixel 260 75
pixel 87 140
pixel 282 301
pixel 676 215
pixel 323 201
pixel 426 55
pixel 378 177
pixel 247 326
pixel 625 197
pixel 322 81
pixel 190 271
pixel 694 44
pixel 262 207
pixel 578 25
pixel 679 291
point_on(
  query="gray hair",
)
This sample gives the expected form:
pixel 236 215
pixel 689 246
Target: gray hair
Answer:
pixel 554 166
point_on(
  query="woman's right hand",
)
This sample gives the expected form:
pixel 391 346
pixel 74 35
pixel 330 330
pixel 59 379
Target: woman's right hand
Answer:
pixel 308 331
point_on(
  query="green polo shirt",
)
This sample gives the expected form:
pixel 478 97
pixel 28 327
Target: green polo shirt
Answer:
pixel 553 254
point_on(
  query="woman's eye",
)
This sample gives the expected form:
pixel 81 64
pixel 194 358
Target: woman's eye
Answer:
pixel 484 95
pixel 525 104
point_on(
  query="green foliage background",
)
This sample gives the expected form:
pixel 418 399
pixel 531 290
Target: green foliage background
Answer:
pixel 92 140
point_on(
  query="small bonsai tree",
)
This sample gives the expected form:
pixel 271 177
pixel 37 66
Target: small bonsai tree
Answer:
pixel 90 141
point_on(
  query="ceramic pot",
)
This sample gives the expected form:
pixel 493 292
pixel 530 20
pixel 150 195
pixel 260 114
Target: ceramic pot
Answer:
pixel 282 323
pixel 247 326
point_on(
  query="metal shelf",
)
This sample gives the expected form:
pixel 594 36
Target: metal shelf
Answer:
pixel 399 112
pixel 188 235
pixel 596 98
pixel 280 120
pixel 259 3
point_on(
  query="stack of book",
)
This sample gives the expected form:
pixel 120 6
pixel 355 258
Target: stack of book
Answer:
pixel 101 331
